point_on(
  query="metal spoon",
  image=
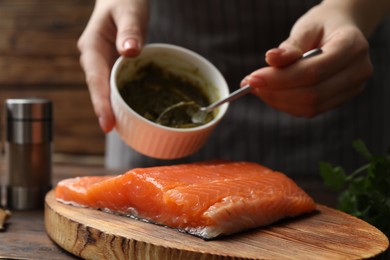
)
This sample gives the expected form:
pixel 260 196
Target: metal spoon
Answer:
pixel 198 114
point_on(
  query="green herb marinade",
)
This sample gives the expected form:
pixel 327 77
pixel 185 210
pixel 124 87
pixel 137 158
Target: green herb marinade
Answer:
pixel 154 89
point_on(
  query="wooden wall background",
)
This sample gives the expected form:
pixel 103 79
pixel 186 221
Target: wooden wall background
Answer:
pixel 39 57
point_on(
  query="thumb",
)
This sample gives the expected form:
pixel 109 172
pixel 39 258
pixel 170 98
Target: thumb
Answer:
pixel 131 29
pixel 301 39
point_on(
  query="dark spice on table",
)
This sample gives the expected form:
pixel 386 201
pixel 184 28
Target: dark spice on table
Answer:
pixel 4 215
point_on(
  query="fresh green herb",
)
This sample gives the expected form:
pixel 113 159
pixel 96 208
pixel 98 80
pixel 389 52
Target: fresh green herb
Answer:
pixel 365 193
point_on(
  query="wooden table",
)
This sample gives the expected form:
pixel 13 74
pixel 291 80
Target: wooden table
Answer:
pixel 25 236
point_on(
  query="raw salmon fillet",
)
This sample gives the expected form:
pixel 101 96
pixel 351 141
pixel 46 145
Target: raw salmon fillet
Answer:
pixel 206 199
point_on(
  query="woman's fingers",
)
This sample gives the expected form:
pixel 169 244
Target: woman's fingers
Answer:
pixel 304 36
pixel 98 53
pixel 115 28
pixel 282 57
pixel 312 86
pixel 301 40
pixel 337 54
pixel 309 101
pixel 97 74
pixel 131 23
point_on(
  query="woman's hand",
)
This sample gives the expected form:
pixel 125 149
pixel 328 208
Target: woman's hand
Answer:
pixel 312 86
pixel 116 27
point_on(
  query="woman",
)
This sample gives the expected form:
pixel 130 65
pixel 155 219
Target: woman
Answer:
pixel 301 112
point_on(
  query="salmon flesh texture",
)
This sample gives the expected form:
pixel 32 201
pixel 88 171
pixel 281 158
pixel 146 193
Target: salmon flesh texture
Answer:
pixel 206 199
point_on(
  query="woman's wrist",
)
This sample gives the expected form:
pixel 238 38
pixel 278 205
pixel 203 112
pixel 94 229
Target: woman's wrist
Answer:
pixel 366 14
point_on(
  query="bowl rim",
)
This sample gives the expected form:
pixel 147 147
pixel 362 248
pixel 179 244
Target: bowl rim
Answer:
pixel 113 87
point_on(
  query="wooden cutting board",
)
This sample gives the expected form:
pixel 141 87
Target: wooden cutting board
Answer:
pixel 324 234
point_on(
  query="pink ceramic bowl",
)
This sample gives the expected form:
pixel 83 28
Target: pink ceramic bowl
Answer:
pixel 150 138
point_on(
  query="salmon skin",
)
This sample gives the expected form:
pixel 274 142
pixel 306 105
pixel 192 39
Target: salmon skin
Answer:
pixel 206 199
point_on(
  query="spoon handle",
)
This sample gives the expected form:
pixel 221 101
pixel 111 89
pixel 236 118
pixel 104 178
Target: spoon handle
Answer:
pixel 234 95
pixel 311 53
